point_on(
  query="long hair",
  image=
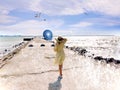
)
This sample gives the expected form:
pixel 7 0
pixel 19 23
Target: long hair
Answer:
pixel 59 40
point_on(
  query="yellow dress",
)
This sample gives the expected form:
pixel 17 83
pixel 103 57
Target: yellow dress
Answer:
pixel 60 55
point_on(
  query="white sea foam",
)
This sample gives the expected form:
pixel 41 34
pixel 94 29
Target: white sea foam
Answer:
pixel 106 46
pixel 92 75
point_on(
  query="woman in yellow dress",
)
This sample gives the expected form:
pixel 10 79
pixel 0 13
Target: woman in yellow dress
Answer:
pixel 60 55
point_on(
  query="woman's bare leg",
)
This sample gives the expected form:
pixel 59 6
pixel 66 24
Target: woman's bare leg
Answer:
pixel 60 69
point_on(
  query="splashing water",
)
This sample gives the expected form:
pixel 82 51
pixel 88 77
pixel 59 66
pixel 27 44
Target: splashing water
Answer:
pixel 106 46
pixel 96 75
pixel 92 75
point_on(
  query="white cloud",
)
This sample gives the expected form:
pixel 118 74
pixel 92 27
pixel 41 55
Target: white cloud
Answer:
pixel 7 19
pixel 31 27
pixel 63 7
pixel 112 23
pixel 4 14
pixel 109 7
pixel 75 7
pixel 50 7
pixel 103 21
pixel 81 24
pixel 57 7
pixel 68 31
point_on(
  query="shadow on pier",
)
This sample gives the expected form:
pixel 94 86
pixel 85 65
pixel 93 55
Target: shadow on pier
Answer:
pixel 55 85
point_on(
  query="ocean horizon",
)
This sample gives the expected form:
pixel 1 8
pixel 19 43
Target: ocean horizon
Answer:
pixel 107 46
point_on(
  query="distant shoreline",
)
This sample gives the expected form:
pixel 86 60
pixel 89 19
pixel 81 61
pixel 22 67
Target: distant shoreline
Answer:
pixel 53 36
pixel 15 36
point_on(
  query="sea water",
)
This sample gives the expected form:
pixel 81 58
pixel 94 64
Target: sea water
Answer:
pixel 7 42
pixel 106 46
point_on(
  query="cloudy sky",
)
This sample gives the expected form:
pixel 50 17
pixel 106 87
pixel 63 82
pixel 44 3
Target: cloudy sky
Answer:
pixel 62 17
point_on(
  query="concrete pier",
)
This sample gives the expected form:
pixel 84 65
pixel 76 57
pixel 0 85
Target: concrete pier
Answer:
pixel 33 69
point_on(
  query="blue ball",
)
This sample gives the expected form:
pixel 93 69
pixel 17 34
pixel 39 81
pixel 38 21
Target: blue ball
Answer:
pixel 47 34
